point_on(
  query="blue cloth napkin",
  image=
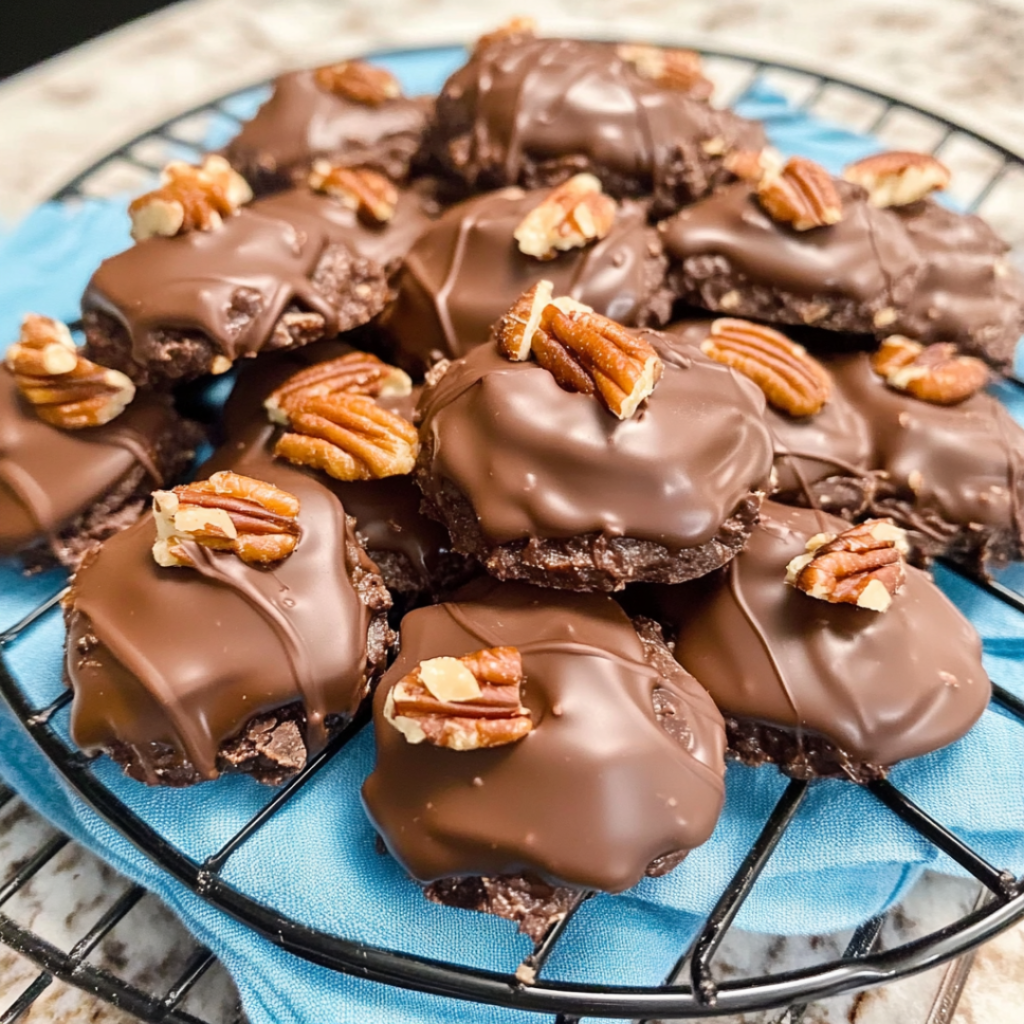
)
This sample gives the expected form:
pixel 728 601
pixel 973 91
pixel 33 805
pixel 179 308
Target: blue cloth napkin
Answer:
pixel 844 858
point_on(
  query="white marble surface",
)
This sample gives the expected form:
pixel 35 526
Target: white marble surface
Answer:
pixel 959 57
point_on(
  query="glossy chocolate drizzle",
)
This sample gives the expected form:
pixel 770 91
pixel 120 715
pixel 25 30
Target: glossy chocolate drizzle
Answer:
pixel 596 793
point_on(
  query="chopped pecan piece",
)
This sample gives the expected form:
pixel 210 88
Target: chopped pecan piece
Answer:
pixel 792 381
pixel 359 82
pixel 582 350
pixel 368 193
pixel 753 164
pixel 802 195
pixel 518 26
pixel 357 373
pixel 863 566
pixel 64 388
pixel 669 68
pixel 898 178
pixel 462 703
pixel 189 199
pixel 348 436
pixel 573 214
pixel 933 373
pixel 228 512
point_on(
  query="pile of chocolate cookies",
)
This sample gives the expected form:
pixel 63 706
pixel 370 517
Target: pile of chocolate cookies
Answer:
pixel 641 438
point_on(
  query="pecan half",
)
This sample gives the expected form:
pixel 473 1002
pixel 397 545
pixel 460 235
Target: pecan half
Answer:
pixel 573 214
pixel 372 196
pixel 189 199
pixel 357 373
pixel 228 512
pixel 898 178
pixel 669 68
pixel 933 373
pixel 518 26
pixel 792 381
pixel 802 195
pixel 359 82
pixel 581 349
pixel 465 703
pixel 64 388
pixel 348 436
pixel 863 566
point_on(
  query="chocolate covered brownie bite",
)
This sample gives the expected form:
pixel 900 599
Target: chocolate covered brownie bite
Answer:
pixel 80 449
pixel 575 453
pixel 534 112
pixel 274 567
pixel 826 654
pixel 475 261
pixel 351 113
pixel 211 280
pixel 412 552
pixel 531 744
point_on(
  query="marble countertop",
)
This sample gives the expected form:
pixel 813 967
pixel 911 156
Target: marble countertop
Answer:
pixel 961 58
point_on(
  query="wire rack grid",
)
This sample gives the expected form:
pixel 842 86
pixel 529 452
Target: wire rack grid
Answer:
pixel 990 176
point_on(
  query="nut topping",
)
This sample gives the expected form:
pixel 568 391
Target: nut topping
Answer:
pixel 933 373
pixel 862 566
pixel 347 436
pixel 582 350
pixel 359 82
pixel 65 389
pixel 792 381
pixel 753 164
pixel 368 193
pixel 357 373
pixel 669 68
pixel 573 214
pixel 228 512
pixel 465 703
pixel 898 178
pixel 189 199
pixel 802 195
pixel 518 26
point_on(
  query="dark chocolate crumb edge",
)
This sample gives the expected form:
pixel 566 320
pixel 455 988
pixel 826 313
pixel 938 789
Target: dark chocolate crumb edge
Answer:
pixel 355 286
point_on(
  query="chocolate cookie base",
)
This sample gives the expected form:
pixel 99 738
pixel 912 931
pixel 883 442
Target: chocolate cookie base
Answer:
pixel 586 562
pixel 356 287
pixel 800 755
pixel 119 507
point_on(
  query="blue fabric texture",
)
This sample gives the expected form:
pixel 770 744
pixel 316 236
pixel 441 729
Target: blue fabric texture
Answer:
pixel 844 858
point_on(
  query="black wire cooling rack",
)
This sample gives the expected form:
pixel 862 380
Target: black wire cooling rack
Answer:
pixel 691 988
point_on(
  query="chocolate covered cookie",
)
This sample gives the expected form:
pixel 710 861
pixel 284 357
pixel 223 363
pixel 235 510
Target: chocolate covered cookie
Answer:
pixel 351 113
pixel 809 674
pixel 533 112
pixel 532 743
pixel 470 266
pixel 211 280
pixel 412 552
pixel 231 631
pixel 80 450
pixel 574 453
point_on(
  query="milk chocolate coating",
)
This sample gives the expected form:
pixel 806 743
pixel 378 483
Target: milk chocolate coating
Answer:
pixel 729 256
pixel 412 552
pixel 881 686
pixel 466 271
pixel 832 448
pixel 301 122
pixel 385 244
pixel 537 465
pixel 184 658
pixel 164 308
pixel 533 112
pixel 970 293
pixel 69 488
pixel 954 475
pixel 602 788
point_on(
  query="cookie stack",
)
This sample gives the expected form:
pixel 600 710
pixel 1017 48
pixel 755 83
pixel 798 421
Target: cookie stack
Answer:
pixel 638 436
